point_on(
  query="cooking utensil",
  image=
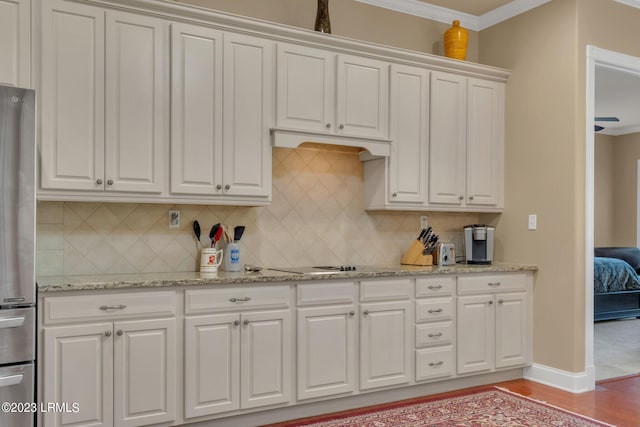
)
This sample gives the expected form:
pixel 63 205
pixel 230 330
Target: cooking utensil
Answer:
pixel 238 231
pixel 196 229
pixel 228 237
pixel 218 235
pixel 212 233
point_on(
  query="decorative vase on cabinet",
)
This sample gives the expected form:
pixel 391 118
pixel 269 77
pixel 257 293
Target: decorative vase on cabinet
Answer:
pixel 455 41
pixel 323 23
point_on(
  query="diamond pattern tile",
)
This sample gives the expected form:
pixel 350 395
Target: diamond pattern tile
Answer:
pixel 317 217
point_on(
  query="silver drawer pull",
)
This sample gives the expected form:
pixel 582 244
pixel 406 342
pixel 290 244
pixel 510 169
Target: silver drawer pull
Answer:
pixel 113 307
pixel 435 287
pixel 440 363
pixel 11 322
pixel 494 283
pixel 245 299
pixel 438 335
pixel 434 311
pixel 8 380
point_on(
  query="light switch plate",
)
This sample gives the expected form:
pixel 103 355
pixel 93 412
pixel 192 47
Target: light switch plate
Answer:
pixel 533 221
pixel 174 218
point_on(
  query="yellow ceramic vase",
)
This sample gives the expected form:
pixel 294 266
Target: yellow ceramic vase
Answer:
pixel 455 41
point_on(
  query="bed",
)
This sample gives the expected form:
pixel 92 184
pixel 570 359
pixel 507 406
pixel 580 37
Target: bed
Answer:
pixel 616 283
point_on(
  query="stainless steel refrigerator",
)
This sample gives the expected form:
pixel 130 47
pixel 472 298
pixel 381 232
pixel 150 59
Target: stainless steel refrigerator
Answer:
pixel 17 255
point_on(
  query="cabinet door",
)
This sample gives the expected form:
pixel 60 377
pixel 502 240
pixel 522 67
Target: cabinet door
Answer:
pixel 475 334
pixel 78 368
pixel 72 97
pixel 145 371
pixel 196 109
pixel 363 97
pixel 212 364
pixel 448 136
pixel 305 97
pixel 485 143
pixel 326 351
pixel 512 330
pixel 409 134
pixel 265 358
pixel 137 51
pixel 248 97
pixel 15 43
pixel 385 344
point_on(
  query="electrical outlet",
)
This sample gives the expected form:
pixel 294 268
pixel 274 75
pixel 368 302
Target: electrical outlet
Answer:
pixel 533 221
pixel 424 221
pixel 174 218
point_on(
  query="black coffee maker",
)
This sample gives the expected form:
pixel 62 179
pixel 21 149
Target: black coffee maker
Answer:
pixel 478 243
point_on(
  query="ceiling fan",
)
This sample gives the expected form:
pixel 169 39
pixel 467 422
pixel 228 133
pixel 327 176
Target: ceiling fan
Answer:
pixel 603 119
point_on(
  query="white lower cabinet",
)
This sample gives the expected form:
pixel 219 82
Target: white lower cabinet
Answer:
pixel 494 328
pixel 120 374
pixel 385 344
pixel 236 361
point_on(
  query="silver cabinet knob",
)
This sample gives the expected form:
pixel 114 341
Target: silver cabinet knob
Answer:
pixel 119 332
pixel 341 126
pixel 109 182
pixel 236 323
pixel 434 287
pixel 490 302
pixel 440 363
pixel 436 335
pixel 434 311
pixel 460 197
pixel 226 187
pixel 394 195
pixel 99 181
pixel 219 187
pixel 328 125
pixel 352 313
pixel 365 312
pixel 245 323
pixel 500 301
pixel 470 197
pixel 107 334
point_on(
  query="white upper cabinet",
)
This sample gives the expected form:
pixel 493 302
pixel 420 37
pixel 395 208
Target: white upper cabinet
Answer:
pixel 196 110
pixel 322 91
pixel 409 135
pixel 15 43
pixel 220 135
pixel 103 120
pixel 72 97
pixel 137 52
pixel 466 152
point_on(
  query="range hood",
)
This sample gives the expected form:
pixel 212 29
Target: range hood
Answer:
pixel 291 138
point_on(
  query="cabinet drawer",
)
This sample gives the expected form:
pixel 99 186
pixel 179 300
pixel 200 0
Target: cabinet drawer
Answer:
pixel 434 363
pixel 431 334
pixel 233 299
pixel 434 309
pixel 108 306
pixel 385 290
pixel 326 293
pixel 435 286
pixel 492 283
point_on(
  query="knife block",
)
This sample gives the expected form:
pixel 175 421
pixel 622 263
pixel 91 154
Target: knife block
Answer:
pixel 414 256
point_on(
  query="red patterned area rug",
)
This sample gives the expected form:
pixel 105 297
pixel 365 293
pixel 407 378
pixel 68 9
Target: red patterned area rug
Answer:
pixel 496 407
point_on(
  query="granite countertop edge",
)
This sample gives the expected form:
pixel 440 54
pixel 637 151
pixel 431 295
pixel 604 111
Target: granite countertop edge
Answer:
pixel 47 284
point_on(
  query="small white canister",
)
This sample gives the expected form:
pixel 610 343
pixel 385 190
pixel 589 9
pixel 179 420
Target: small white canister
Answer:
pixel 232 261
pixel 210 260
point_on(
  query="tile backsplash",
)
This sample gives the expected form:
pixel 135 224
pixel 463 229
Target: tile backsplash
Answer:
pixel 317 217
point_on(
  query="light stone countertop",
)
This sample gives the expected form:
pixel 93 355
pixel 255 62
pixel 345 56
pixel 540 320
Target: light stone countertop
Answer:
pixel 158 280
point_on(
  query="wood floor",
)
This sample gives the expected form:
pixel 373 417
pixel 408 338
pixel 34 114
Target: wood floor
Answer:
pixel 615 401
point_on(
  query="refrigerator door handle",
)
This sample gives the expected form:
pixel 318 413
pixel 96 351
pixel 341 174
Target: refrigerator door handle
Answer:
pixel 11 322
pixel 10 380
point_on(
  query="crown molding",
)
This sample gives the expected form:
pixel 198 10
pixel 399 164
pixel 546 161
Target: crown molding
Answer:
pixel 471 22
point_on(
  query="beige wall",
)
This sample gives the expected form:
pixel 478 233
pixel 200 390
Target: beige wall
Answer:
pixel 604 197
pixel 539 47
pixel 626 156
pixel 349 18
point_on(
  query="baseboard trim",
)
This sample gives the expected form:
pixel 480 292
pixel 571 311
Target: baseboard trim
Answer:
pixel 574 382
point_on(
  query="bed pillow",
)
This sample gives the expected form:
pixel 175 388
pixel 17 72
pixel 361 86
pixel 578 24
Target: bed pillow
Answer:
pixel 630 255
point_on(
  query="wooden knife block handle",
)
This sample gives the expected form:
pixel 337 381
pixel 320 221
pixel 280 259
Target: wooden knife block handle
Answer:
pixel 413 255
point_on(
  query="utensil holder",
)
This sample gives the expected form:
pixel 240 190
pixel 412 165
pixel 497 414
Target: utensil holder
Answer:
pixel 414 256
